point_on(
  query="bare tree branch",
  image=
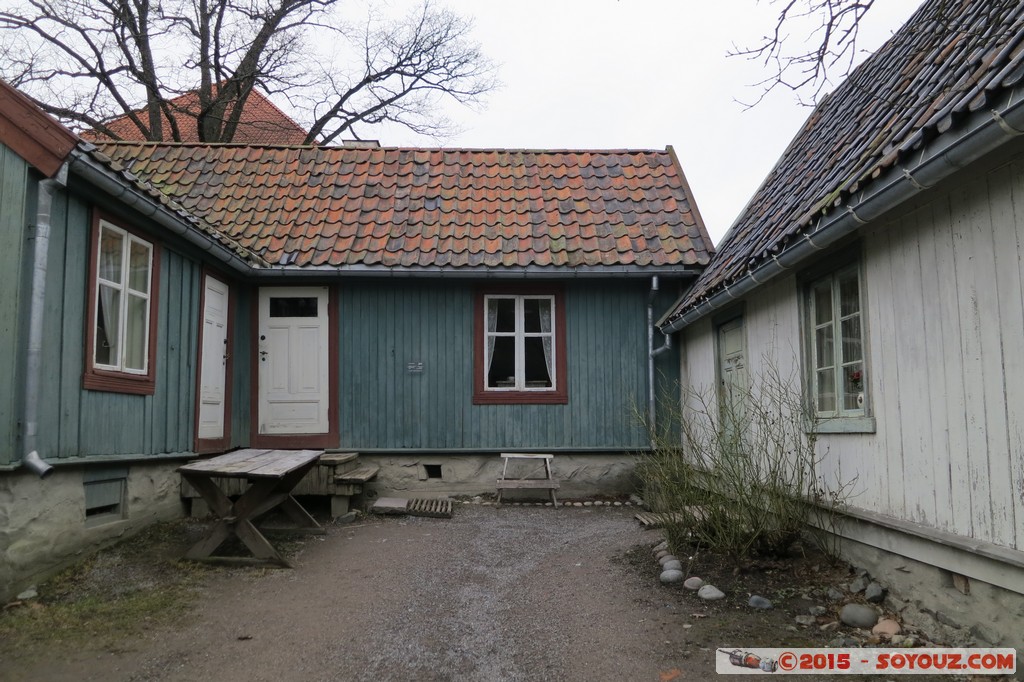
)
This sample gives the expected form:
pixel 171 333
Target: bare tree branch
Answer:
pixel 91 61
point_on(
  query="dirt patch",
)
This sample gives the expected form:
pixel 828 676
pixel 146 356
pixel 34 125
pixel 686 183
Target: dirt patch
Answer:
pixel 511 593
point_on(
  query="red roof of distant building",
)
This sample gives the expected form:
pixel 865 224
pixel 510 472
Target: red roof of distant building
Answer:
pixel 261 123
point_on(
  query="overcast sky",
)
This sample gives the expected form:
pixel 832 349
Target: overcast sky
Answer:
pixel 640 74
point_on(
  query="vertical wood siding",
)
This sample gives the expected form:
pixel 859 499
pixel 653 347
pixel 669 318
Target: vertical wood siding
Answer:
pixel 386 325
pixel 13 200
pixel 80 423
pixel 945 334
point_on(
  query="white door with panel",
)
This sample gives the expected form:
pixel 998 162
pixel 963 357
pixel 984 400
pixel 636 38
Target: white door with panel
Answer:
pixel 293 360
pixel 213 373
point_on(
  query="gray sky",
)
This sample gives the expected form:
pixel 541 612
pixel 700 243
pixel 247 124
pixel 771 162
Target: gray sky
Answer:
pixel 639 74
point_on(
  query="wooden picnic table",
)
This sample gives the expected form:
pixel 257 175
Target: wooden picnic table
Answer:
pixel 272 475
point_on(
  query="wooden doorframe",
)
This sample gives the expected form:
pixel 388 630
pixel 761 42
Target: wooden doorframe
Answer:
pixel 222 444
pixel 296 441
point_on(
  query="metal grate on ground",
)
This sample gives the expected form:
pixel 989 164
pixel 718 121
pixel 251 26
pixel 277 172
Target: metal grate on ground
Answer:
pixel 441 509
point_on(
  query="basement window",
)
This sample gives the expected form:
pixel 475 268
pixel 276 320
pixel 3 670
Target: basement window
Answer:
pixel 432 470
pixel 105 491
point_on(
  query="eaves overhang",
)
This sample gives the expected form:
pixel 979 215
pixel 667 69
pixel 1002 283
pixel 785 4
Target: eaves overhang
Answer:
pixel 981 133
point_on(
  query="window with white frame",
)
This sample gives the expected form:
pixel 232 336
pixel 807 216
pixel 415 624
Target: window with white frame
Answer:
pixel 121 303
pixel 519 348
pixel 836 344
pixel 121 309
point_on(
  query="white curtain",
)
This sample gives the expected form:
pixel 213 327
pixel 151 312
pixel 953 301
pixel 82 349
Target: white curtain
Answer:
pixel 111 255
pixel 492 326
pixel 545 326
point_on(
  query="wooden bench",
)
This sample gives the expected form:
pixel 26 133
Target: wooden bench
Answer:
pixel 272 474
pixel 529 480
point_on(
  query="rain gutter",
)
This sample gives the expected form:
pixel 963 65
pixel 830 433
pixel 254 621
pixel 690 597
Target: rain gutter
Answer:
pixel 947 154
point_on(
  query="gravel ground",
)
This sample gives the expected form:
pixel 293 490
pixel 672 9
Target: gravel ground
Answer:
pixel 510 593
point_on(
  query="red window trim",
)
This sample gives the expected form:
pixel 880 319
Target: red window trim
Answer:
pixel 93 378
pixel 481 396
pixel 222 444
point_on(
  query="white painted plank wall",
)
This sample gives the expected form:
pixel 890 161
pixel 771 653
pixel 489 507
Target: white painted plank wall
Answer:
pixel 944 290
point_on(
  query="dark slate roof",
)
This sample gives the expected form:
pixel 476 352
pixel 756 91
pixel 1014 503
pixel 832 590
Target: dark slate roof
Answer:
pixel 952 58
pixel 451 208
pixel 261 122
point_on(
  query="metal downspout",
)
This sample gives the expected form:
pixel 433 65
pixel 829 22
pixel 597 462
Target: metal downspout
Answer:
pixel 651 408
pixel 34 363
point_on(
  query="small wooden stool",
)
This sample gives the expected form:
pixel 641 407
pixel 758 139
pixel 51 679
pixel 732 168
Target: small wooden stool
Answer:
pixel 529 481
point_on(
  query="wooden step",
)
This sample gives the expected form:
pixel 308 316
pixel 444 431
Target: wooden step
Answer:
pixel 336 458
pixel 360 475
pixel 527 484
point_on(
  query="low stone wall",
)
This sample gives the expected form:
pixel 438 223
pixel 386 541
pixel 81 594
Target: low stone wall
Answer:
pixel 43 525
pixel 580 475
pixel 958 611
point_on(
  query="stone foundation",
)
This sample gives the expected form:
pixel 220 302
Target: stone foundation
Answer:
pixel 579 475
pixel 43 524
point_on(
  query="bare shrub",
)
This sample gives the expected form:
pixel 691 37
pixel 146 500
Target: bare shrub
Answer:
pixel 743 475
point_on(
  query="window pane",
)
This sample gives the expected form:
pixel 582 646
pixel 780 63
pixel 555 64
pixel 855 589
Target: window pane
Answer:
pixel 138 267
pixel 502 370
pixel 108 312
pixel 501 315
pixel 822 303
pixel 111 252
pixel 849 293
pixel 823 348
pixel 852 345
pixel 293 306
pixel 538 362
pixel 538 315
pixel 826 391
pixel 853 386
pixel 135 334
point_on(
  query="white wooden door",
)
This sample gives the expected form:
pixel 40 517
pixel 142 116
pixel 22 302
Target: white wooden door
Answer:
pixel 293 360
pixel 732 375
pixel 212 380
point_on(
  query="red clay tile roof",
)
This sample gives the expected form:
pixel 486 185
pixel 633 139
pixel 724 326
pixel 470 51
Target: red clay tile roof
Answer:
pixel 450 208
pixel 949 60
pixel 261 123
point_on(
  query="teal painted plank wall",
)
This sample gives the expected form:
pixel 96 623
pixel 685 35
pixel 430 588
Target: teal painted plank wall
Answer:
pixel 14 185
pixel 79 423
pixel 385 325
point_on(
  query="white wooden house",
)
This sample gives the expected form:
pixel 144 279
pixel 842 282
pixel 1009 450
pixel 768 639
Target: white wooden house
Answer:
pixel 882 263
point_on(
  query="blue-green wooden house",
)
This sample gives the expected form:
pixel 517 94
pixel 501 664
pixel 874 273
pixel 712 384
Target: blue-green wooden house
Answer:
pixel 164 301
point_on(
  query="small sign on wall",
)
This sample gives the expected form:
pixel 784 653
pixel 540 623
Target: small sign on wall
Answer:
pixel 414 367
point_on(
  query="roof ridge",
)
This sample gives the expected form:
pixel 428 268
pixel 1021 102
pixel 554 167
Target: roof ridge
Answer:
pixel 523 150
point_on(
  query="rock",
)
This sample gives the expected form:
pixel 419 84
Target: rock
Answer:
pixel 759 602
pixel 844 643
pixel 861 572
pixel 672 566
pixel 874 593
pixel 30 593
pixel 667 558
pixel 661 546
pixel 693 583
pixel 834 594
pixel 661 553
pixel 710 593
pixel 635 499
pixel 896 640
pixel 347 517
pixel 946 620
pixel 617 503
pixel 567 504
pixel 806 620
pixel 671 576
pixel 817 610
pixel 477 499
pixel 577 504
pixel 858 585
pixel 831 626
pixel 588 503
pixel 858 616
pixel 886 626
